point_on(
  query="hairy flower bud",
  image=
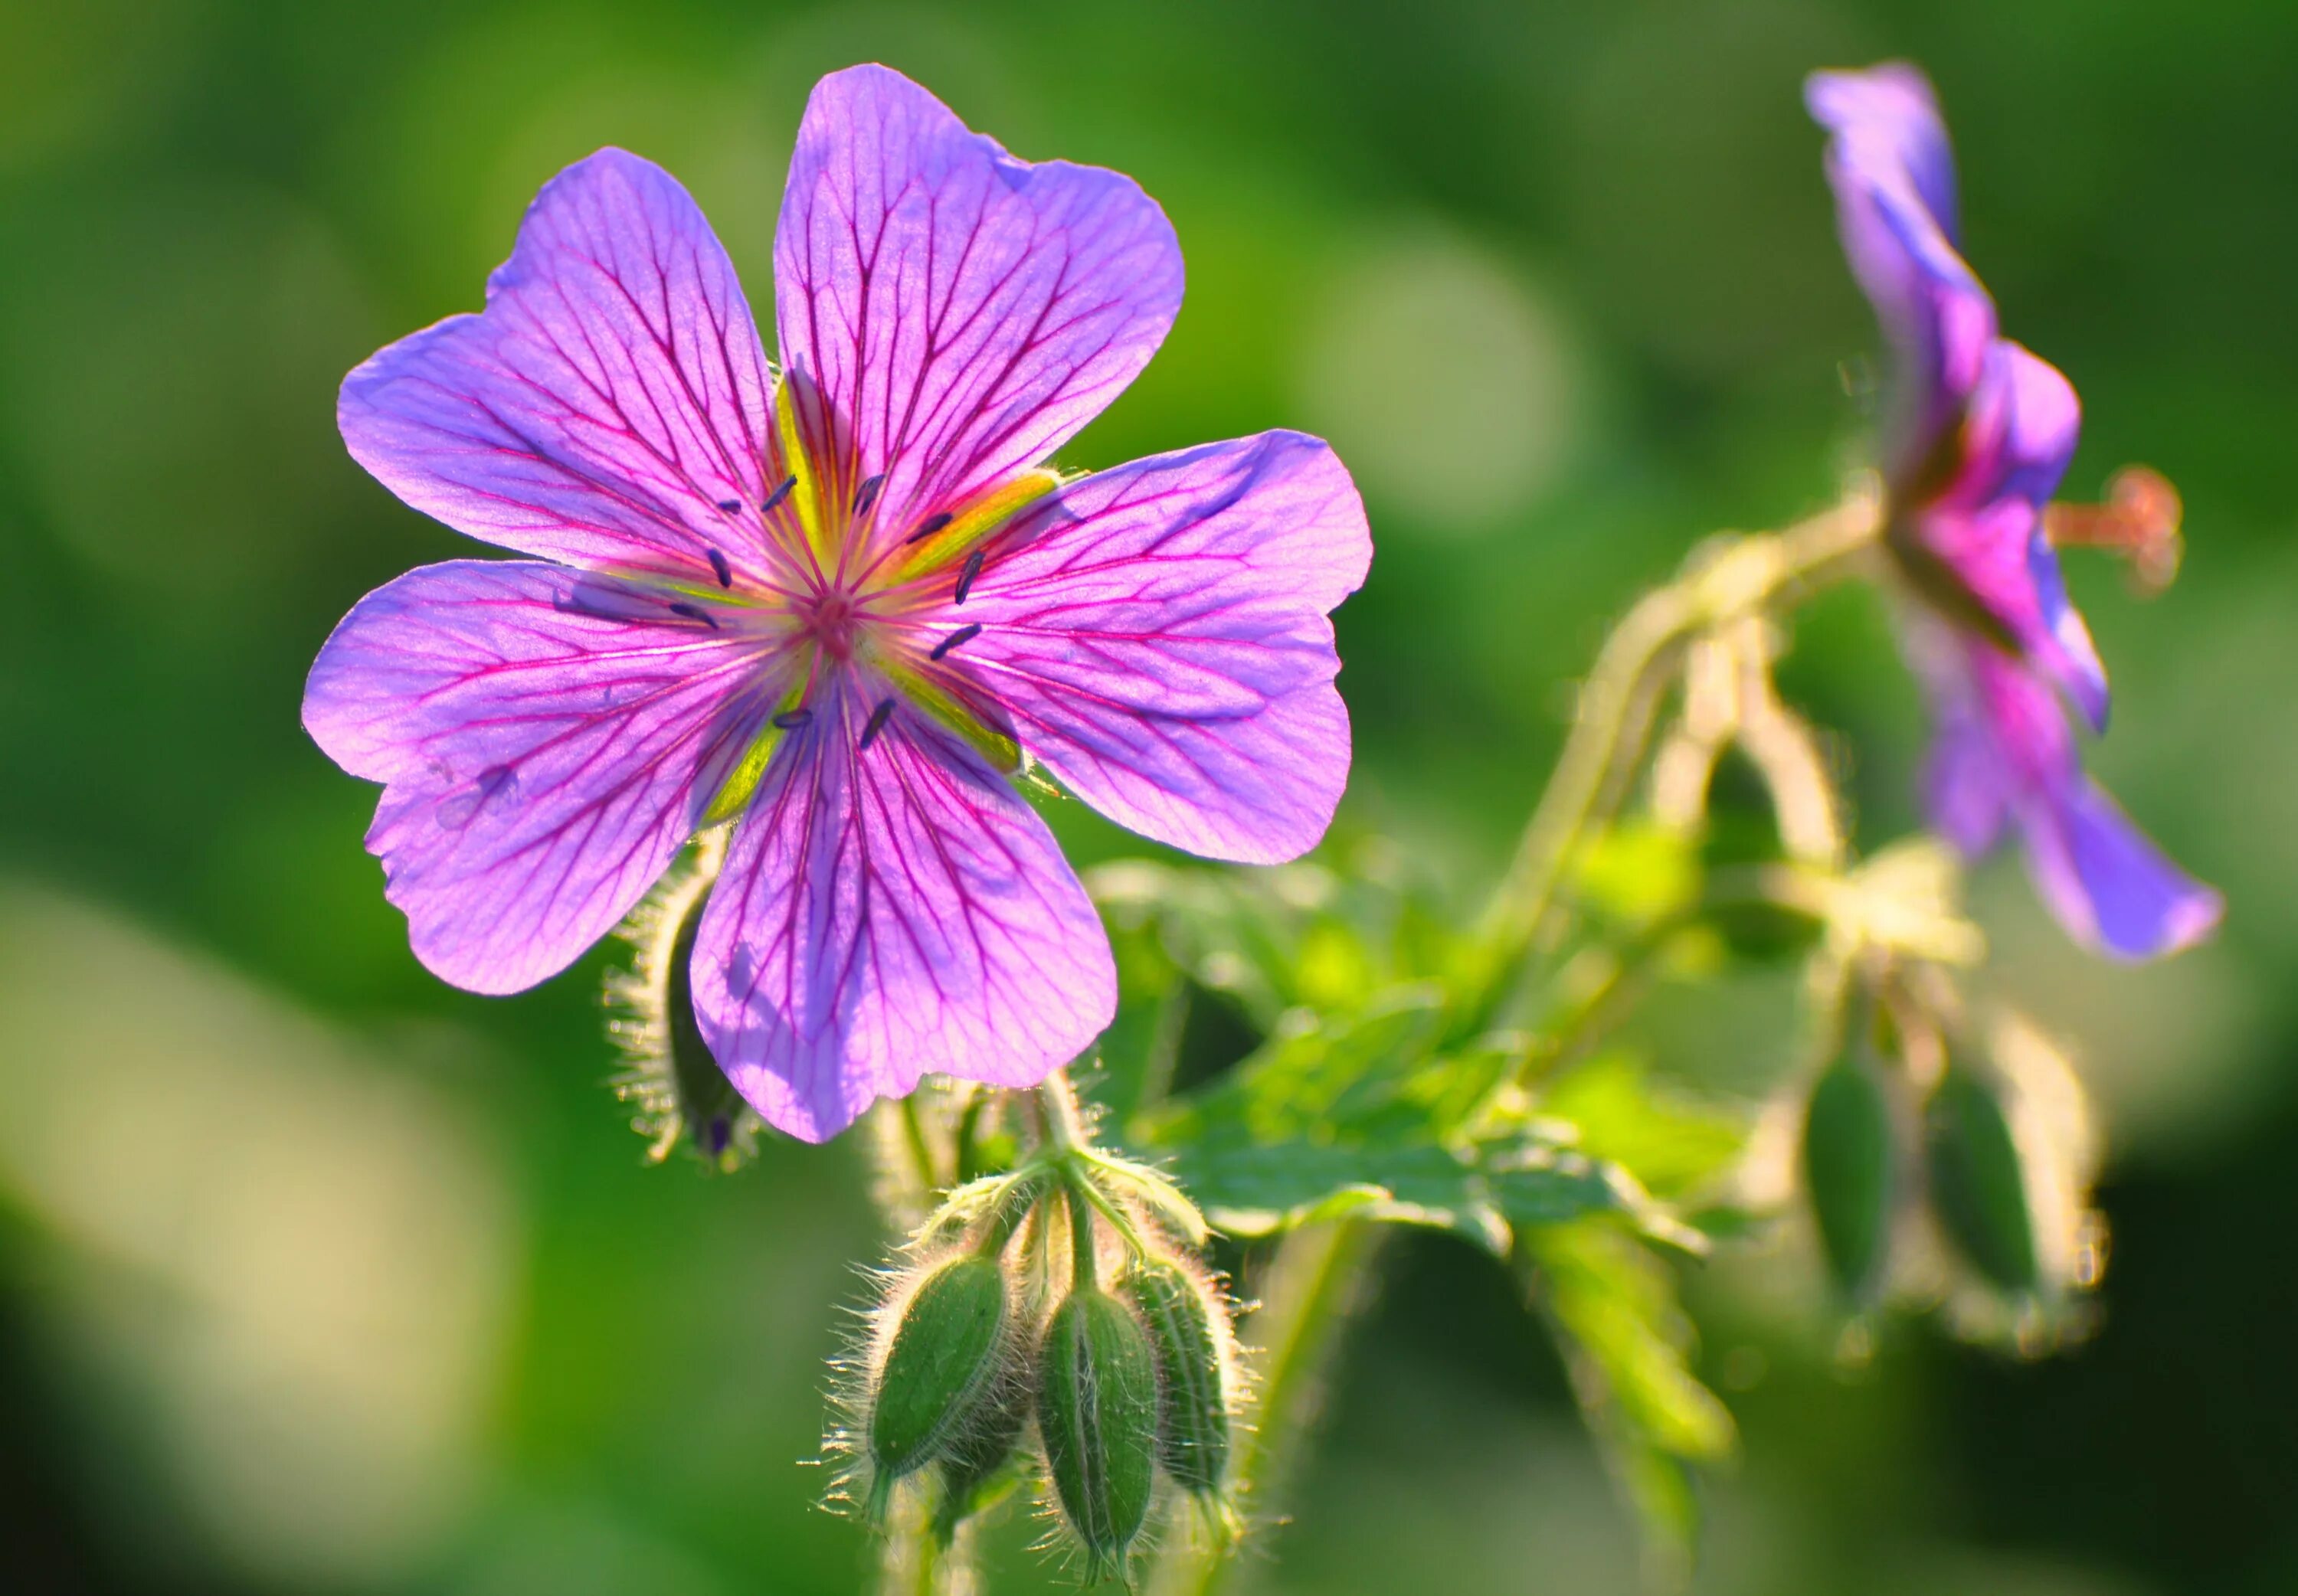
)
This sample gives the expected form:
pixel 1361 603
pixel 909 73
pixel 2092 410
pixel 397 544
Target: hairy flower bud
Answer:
pixel 1189 1334
pixel 943 1357
pixel 973 1466
pixel 679 1092
pixel 1978 1184
pixel 1097 1397
pixel 1847 1166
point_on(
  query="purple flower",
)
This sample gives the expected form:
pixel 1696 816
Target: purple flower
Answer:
pixel 1980 432
pixel 838 606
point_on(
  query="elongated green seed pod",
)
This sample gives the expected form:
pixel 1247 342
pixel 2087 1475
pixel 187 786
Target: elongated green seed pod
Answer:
pixel 1847 1170
pixel 1977 1187
pixel 944 1355
pixel 1097 1411
pixel 1188 1332
pixel 977 1455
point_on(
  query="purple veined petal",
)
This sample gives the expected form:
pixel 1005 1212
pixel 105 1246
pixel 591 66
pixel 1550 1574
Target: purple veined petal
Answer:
pixel 2005 753
pixel 544 753
pixel 2108 884
pixel 1994 725
pixel 887 913
pixel 612 395
pixel 1967 792
pixel 961 313
pixel 1158 635
pixel 1890 112
pixel 1985 523
pixel 1893 177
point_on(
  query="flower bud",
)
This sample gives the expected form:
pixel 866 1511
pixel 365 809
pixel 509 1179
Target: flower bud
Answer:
pixel 973 1465
pixel 1189 1334
pixel 943 1357
pixel 679 1092
pixel 1979 1188
pixel 1847 1167
pixel 1097 1411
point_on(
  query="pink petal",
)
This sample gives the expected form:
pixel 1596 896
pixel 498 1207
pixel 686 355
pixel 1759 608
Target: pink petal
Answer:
pixel 888 912
pixel 961 313
pixel 611 397
pixel 1158 637
pixel 544 753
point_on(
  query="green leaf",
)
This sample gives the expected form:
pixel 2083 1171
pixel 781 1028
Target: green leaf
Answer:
pixel 1670 1140
pixel 1612 1304
pixel 1363 1118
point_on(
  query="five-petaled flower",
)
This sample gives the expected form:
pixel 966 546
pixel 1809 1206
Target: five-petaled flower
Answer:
pixel 1980 433
pixel 836 605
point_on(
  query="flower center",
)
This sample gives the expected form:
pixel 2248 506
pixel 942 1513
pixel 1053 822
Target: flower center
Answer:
pixel 832 621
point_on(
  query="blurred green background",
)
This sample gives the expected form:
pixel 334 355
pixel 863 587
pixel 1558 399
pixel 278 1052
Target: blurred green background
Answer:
pixel 318 1276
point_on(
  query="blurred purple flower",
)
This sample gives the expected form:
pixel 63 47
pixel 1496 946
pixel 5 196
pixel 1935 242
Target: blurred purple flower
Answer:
pixel 1979 433
pixel 833 605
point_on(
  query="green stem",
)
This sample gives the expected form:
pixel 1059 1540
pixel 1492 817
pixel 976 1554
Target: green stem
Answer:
pixel 1085 1265
pixel 921 1156
pixel 1315 1285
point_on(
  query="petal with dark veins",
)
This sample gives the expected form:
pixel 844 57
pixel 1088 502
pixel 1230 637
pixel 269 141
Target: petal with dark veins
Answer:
pixel 889 913
pixel 544 753
pixel 609 398
pixel 1158 635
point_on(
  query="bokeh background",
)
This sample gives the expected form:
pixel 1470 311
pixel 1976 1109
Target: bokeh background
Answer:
pixel 317 1275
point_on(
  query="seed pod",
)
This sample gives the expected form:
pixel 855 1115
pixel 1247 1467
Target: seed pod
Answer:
pixel 943 1357
pixel 1979 1189
pixel 1097 1411
pixel 1188 1332
pixel 1847 1167
pixel 977 1455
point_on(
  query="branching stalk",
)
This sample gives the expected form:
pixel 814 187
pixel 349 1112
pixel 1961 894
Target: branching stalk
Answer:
pixel 1745 578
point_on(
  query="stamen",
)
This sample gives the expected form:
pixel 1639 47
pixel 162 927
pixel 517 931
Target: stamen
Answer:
pixel 695 612
pixel 729 505
pixel 725 572
pixel 928 526
pixel 966 634
pixel 777 496
pixel 875 723
pixel 794 720
pixel 866 494
pixel 2140 521
pixel 967 572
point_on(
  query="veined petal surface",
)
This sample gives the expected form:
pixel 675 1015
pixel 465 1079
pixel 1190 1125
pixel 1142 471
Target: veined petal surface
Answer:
pixel 890 912
pixel 952 315
pixel 1985 523
pixel 610 398
pixel 1157 633
pixel 545 749
pixel 2006 753
pixel 1893 174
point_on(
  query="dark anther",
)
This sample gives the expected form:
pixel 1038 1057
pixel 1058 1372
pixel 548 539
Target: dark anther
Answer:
pixel 967 572
pixel 875 723
pixel 966 634
pixel 866 494
pixel 725 572
pixel 729 505
pixel 930 526
pixel 777 496
pixel 794 720
pixel 695 612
